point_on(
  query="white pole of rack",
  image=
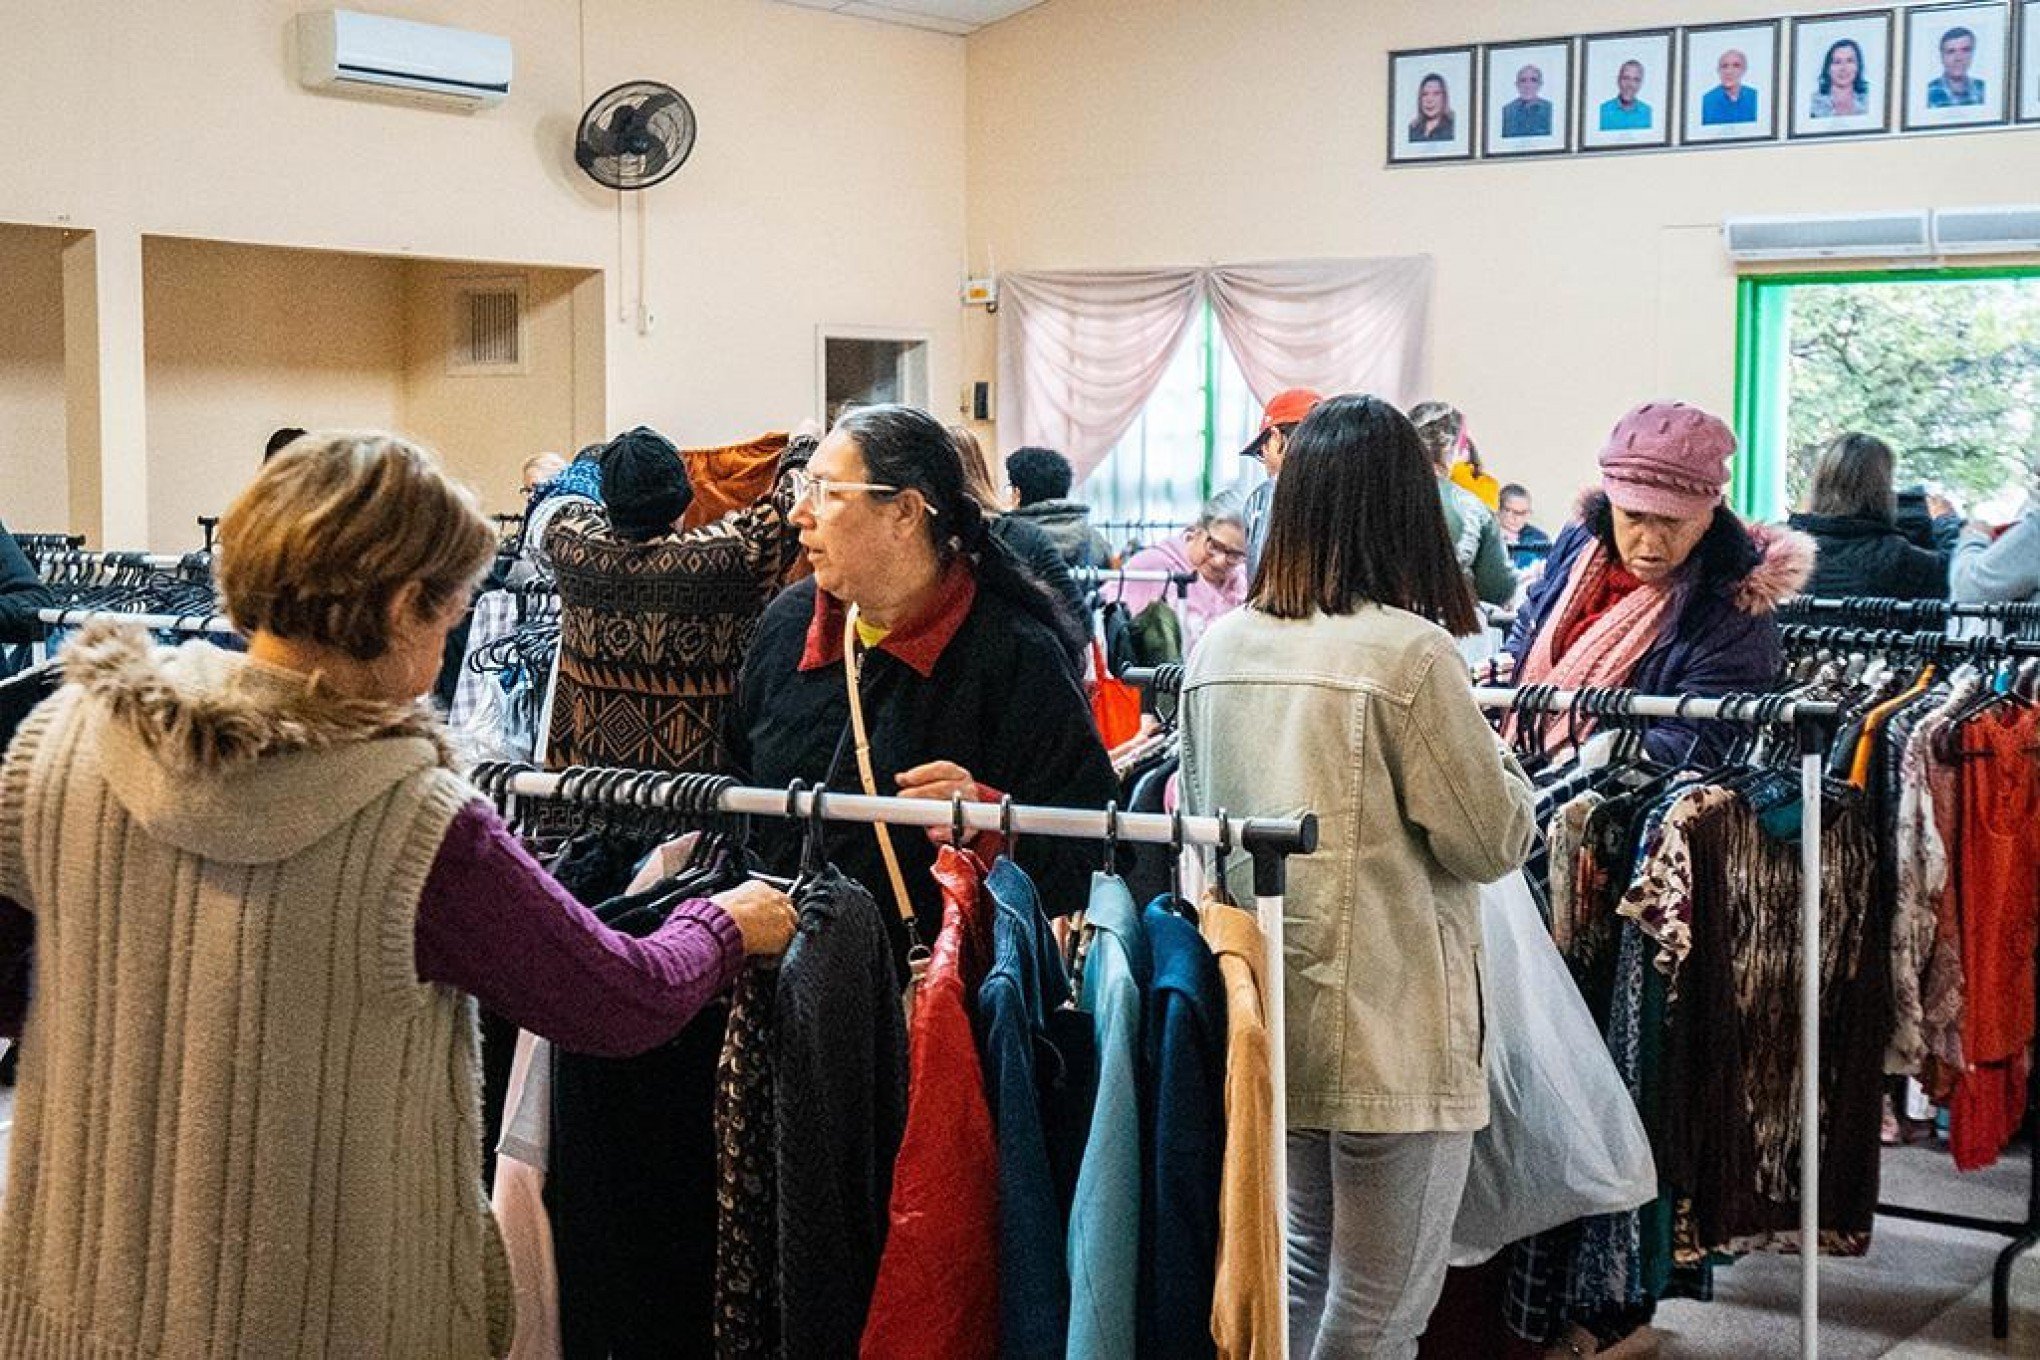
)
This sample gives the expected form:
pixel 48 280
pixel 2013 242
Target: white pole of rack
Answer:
pixel 1080 823
pixel 1810 772
pixel 1101 576
pixel 1269 911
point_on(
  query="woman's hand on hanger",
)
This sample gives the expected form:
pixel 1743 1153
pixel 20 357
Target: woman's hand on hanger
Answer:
pixel 940 781
pixel 764 916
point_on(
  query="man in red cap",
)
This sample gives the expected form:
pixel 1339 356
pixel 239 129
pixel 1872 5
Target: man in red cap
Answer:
pixel 1285 411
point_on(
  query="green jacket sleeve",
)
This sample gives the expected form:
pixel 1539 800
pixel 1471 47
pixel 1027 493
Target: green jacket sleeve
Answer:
pixel 1493 581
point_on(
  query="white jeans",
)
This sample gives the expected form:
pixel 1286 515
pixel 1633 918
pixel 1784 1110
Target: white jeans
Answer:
pixel 1370 1228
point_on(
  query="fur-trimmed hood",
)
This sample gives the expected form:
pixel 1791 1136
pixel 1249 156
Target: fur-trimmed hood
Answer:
pixel 1757 566
pixel 233 759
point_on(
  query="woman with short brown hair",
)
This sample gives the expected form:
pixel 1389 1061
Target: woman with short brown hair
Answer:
pixel 258 902
pixel 1852 515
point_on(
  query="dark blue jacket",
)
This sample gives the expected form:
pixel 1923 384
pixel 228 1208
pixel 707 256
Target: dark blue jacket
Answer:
pixel 1183 1075
pixel 1720 635
pixel 1022 1071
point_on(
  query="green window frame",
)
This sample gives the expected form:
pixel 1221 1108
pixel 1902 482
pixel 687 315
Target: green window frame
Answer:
pixel 1763 311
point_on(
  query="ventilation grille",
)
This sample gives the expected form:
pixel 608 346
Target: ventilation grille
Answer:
pixel 1812 238
pixel 487 318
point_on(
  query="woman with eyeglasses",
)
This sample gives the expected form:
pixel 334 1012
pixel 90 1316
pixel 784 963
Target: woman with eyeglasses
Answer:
pixel 1212 552
pixel 956 652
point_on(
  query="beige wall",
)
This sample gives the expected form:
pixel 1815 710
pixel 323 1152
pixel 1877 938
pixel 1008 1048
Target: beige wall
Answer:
pixel 34 484
pixel 242 340
pixel 1125 132
pixel 485 426
pixel 827 188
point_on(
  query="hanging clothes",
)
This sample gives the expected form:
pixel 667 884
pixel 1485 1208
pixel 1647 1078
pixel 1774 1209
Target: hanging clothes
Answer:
pixel 1104 1238
pixel 1245 1324
pixel 632 1189
pixel 1183 1127
pixel 1025 1071
pixel 518 1199
pixel 938 1283
pixel 747 1198
pixel 839 1095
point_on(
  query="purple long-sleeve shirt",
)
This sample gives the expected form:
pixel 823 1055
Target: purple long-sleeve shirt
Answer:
pixel 494 924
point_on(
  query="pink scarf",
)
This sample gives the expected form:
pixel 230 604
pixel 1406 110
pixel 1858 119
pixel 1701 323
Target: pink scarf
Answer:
pixel 1604 655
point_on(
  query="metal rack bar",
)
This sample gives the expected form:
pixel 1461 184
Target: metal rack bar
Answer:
pixel 1256 835
pixel 1105 576
pixel 217 624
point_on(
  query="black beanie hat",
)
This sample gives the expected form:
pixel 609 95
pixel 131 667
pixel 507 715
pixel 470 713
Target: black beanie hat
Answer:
pixel 644 484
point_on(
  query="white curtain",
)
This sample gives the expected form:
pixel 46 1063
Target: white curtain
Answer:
pixel 1081 351
pixel 1330 325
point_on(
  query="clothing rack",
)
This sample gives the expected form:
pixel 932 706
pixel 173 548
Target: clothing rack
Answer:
pixel 1887 613
pixel 1814 723
pixel 1925 645
pixel 2025 1233
pixel 35 547
pixel 1270 841
pixel 208 623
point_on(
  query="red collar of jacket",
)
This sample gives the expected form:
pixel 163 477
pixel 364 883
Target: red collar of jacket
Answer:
pixel 919 642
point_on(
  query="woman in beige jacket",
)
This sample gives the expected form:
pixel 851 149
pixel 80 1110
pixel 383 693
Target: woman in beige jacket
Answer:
pixel 1339 690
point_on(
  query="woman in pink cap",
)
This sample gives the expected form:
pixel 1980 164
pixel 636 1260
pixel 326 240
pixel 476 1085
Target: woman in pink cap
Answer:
pixel 1659 587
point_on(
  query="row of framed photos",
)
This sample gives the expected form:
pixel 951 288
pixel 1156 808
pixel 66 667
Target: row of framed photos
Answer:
pixel 1624 92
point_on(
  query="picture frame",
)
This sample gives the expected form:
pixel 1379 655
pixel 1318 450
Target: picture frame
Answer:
pixel 1730 88
pixel 1958 65
pixel 1626 90
pixel 1526 98
pixel 2029 62
pixel 1448 133
pixel 1863 105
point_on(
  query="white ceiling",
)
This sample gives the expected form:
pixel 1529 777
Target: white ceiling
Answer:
pixel 960 17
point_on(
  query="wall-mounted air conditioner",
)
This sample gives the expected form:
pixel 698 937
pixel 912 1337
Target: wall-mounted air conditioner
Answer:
pixel 1986 231
pixel 1881 235
pixel 346 52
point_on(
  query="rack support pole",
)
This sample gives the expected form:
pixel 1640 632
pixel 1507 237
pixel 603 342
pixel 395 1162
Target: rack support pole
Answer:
pixel 1815 734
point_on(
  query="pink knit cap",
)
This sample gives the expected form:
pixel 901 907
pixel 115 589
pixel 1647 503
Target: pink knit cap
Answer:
pixel 1667 458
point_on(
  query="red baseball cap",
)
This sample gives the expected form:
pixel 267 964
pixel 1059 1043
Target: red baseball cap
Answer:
pixel 1284 408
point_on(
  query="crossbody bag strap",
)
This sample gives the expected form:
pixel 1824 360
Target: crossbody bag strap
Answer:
pixel 862 740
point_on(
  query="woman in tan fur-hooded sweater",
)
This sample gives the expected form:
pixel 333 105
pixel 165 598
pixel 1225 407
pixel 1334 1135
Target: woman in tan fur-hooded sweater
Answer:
pixel 257 904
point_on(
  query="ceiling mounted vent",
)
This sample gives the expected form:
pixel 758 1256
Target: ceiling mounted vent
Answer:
pixel 1987 231
pixel 487 323
pixel 1884 235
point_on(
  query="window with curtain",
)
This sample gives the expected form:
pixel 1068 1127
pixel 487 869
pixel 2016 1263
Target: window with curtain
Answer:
pixel 1183 447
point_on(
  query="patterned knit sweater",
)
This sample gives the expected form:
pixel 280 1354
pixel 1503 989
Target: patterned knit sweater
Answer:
pixel 653 635
pixel 250 1130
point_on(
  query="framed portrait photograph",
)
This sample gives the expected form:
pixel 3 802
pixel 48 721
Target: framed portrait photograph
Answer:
pixel 1527 98
pixel 2029 61
pixel 1626 90
pixel 1730 93
pixel 1841 75
pixel 1430 105
pixel 1958 63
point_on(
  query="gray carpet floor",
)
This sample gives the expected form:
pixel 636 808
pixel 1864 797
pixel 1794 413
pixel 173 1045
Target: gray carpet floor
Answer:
pixel 1915 1274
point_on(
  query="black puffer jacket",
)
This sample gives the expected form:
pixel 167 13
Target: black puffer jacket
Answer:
pixel 1861 555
